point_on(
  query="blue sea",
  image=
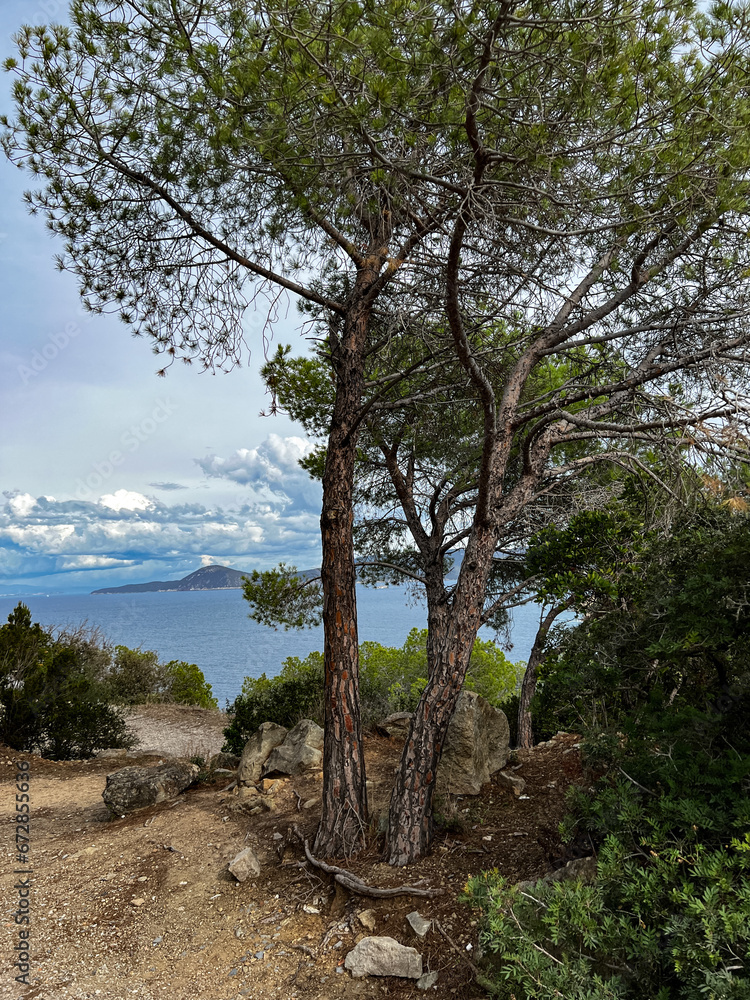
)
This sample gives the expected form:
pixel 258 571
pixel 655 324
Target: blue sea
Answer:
pixel 211 628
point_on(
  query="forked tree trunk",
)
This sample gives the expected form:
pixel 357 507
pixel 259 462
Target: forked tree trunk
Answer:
pixel 344 809
pixel 528 685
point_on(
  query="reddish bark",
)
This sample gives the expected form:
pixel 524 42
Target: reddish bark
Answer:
pixel 344 810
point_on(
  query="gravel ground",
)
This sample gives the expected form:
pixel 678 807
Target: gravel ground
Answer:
pixel 144 908
pixel 177 730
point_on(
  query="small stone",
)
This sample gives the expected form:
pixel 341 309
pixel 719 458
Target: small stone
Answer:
pixel 260 955
pixel 383 956
pixel 419 924
pixel 367 919
pixel 157 940
pixel 245 865
pixel 311 803
pixel 518 785
pixel 137 902
pixel 427 980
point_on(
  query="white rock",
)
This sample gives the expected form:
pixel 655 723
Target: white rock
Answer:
pixel 245 865
pixel 383 956
pixel 419 924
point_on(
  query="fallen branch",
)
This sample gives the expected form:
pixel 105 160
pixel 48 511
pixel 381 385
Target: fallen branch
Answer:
pixel 354 884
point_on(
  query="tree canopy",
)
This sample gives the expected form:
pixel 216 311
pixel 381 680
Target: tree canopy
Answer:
pixel 539 211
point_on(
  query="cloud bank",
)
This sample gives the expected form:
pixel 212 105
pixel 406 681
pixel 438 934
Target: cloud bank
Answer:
pixel 126 535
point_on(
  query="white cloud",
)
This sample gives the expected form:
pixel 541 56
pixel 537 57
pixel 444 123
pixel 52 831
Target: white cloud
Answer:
pixel 125 500
pixel 272 469
pixel 94 562
pixel 124 534
pixel 21 503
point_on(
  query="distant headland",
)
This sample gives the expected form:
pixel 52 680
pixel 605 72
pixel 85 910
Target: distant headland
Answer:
pixel 205 578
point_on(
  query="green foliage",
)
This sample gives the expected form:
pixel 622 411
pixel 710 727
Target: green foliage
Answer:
pixel 658 677
pixel 51 698
pixel 135 677
pixel 584 559
pixel 281 596
pixel 186 685
pixel 391 680
pixel 668 915
pixel 673 630
pixel 296 693
pixel 57 690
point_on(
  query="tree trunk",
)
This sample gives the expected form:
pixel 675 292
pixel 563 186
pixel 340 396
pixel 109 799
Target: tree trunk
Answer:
pixel 341 832
pixel 528 686
pixel 411 809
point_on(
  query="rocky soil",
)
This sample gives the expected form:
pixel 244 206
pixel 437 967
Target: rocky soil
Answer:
pixel 144 907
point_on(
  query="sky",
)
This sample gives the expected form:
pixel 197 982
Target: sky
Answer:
pixel 108 473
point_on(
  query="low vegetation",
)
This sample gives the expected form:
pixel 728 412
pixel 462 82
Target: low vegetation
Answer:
pixel 391 680
pixel 62 694
pixel 658 678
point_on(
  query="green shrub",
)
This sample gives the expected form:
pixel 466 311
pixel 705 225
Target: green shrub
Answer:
pixel 391 680
pixel 51 698
pixel 135 677
pixel 296 693
pixel 668 916
pixel 186 685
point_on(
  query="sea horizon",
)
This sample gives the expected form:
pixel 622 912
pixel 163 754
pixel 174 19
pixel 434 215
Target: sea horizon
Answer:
pixel 211 628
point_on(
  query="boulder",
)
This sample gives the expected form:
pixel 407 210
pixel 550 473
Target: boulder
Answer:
pixel 221 761
pixel 265 739
pixel 245 865
pixel 396 725
pixel 133 788
pixel 383 956
pixel 302 750
pixel 476 745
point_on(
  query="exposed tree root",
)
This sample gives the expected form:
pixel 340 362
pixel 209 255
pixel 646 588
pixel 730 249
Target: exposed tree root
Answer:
pixel 354 884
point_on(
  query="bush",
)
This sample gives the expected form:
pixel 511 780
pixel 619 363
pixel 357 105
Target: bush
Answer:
pixel 51 698
pixel 669 914
pixel 186 685
pixel 391 680
pixel 135 677
pixel 296 693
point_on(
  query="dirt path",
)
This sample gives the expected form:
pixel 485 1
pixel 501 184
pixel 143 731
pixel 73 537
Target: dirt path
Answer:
pixel 144 907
